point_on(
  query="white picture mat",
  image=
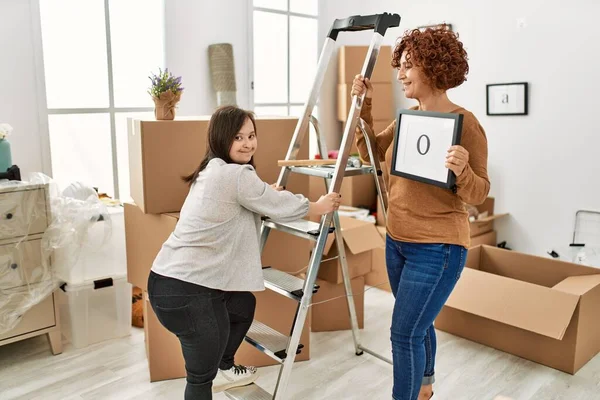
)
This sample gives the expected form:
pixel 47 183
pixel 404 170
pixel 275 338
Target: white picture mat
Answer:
pixel 431 165
pixel 507 99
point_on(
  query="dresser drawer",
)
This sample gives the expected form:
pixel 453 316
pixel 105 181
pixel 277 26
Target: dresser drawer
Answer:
pixel 40 316
pixel 23 212
pixel 21 264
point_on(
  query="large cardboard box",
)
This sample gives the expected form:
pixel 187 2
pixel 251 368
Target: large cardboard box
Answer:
pixel 161 152
pixel 378 276
pixel 163 350
pixel 383 101
pixel 146 233
pixel 330 309
pixel 537 308
pixel 357 191
pixel 489 238
pixel 352 58
pixel 485 222
pixel 360 238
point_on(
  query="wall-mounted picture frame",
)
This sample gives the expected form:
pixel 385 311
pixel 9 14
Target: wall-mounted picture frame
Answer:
pixel 422 140
pixel 435 26
pixel 507 98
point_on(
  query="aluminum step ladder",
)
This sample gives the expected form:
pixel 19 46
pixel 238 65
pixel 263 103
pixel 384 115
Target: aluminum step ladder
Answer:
pixel 284 348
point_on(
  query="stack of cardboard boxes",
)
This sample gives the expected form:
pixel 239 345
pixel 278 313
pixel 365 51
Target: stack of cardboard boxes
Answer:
pixel 361 239
pixel 161 152
pixel 350 63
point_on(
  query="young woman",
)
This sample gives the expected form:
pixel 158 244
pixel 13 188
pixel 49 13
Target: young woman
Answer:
pixel 427 226
pixel 200 282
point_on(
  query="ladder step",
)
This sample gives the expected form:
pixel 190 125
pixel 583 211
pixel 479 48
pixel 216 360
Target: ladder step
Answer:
pixel 285 284
pixel 327 171
pixel 250 392
pixel 269 341
pixel 301 228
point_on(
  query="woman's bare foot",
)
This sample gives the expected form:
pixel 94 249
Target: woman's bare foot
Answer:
pixel 426 392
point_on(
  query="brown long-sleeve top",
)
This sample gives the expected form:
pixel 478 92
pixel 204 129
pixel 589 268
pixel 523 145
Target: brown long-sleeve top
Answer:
pixel 424 213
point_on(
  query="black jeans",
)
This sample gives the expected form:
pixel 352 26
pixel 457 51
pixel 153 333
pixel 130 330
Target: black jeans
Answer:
pixel 209 323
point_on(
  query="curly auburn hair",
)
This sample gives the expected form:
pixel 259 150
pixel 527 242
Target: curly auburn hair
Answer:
pixel 438 52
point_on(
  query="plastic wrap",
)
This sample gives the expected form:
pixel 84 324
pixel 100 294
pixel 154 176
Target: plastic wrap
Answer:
pixel 43 233
pixel 584 255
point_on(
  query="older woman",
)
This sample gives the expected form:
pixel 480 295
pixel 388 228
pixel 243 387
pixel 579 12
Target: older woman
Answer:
pixel 427 227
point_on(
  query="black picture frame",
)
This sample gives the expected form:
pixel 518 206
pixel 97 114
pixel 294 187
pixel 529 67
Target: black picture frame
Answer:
pixel 456 132
pixel 521 102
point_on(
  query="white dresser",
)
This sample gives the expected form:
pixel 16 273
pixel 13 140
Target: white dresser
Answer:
pixel 24 217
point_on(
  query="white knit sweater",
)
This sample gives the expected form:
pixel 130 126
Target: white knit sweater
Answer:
pixel 216 241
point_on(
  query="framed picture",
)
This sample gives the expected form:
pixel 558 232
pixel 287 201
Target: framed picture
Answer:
pixel 445 26
pixel 422 140
pixel 507 98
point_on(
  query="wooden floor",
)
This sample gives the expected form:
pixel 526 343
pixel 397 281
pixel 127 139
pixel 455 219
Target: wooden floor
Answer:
pixel 117 369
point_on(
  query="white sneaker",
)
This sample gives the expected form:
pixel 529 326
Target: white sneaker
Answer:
pixel 238 375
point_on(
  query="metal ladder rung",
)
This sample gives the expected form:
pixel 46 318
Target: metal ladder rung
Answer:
pixel 301 228
pixel 328 171
pixel 285 284
pixel 269 341
pixel 250 392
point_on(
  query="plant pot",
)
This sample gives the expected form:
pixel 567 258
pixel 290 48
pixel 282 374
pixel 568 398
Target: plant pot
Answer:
pixel 5 155
pixel 164 107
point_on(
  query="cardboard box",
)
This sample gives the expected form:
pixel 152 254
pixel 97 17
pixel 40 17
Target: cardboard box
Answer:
pixel 163 350
pixel 277 312
pixel 359 239
pixel 333 315
pixel 380 218
pixel 490 238
pixel 352 58
pixel 378 127
pixel 537 308
pixel 286 252
pixel 146 233
pixel 378 276
pixel 165 359
pixel 161 152
pixel 485 223
pixel 144 237
pixel 383 101
pixel 357 191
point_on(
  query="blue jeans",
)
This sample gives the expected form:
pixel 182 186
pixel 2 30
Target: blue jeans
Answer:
pixel 422 276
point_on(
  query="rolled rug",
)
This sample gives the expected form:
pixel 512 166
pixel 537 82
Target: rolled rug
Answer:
pixel 222 73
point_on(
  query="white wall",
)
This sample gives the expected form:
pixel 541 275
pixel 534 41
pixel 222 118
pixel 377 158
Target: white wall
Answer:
pixel 544 166
pixel 19 91
pixel 191 26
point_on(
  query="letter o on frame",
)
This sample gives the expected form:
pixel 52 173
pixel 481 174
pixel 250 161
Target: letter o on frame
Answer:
pixel 428 142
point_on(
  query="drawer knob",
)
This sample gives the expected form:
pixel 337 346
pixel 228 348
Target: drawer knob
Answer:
pixel 14 266
pixel 9 216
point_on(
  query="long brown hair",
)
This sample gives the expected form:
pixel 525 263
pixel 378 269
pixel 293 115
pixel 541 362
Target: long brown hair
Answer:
pixel 223 127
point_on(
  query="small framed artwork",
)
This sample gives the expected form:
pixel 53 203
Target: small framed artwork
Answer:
pixel 436 26
pixel 422 140
pixel 507 98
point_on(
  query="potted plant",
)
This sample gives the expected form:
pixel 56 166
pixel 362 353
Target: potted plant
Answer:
pixel 166 92
pixel 5 154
